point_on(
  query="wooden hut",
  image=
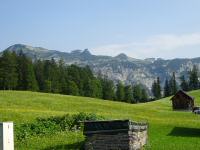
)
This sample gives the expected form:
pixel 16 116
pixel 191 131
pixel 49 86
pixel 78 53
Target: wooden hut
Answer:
pixel 182 101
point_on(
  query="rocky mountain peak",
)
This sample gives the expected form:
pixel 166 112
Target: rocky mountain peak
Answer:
pixel 76 52
pixel 122 56
pixel 86 52
pixel 23 47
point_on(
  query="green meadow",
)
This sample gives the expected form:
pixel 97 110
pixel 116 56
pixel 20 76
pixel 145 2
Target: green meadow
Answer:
pixel 168 129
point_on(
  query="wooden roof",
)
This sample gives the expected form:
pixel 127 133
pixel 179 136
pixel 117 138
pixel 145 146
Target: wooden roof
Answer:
pixel 183 93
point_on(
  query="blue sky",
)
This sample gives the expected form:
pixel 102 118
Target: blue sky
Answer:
pixel 139 28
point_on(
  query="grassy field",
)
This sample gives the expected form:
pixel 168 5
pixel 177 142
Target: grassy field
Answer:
pixel 168 129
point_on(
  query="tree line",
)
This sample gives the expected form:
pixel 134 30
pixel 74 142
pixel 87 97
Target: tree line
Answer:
pixel 18 72
pixel 188 82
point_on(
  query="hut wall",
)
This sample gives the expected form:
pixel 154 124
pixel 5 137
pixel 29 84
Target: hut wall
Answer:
pixel 133 137
pixel 181 102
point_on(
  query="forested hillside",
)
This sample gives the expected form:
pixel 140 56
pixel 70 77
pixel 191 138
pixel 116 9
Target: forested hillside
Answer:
pixel 18 72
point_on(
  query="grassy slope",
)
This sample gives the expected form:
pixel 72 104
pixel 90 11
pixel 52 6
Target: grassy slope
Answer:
pixel 167 129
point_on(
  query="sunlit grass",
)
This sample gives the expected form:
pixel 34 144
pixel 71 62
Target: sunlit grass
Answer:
pixel 23 106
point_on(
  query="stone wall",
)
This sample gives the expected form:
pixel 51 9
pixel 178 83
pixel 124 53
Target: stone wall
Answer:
pixel 115 135
pixel 137 135
pixel 107 142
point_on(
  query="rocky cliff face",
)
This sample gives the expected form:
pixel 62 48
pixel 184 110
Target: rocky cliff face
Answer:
pixel 121 67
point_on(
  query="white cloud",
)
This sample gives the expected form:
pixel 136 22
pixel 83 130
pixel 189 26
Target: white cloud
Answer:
pixel 155 46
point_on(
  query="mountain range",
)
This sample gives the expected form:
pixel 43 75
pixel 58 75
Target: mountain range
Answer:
pixel 121 67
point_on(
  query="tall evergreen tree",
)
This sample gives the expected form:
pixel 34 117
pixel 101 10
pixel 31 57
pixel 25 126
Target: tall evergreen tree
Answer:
pixel 47 76
pixel 26 75
pixel 31 80
pixel 21 69
pixel 51 75
pixel 193 78
pixel 97 87
pixel 108 89
pixel 72 88
pixel 62 77
pixel 93 88
pixel 156 88
pixel 173 84
pixel 153 88
pixel 166 88
pixel 128 94
pixel 8 75
pixel 144 96
pixel 77 75
pixel 184 84
pixel 39 74
pixel 54 76
pixel 120 91
pixel 137 93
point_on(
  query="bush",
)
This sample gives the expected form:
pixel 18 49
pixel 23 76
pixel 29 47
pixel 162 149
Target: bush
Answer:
pixel 53 124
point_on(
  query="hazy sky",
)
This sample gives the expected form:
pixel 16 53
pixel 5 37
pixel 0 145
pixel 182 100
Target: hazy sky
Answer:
pixel 139 28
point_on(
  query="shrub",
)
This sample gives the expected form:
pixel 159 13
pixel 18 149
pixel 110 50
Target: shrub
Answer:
pixel 53 124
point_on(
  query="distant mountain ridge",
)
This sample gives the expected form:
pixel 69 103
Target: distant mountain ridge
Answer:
pixel 121 67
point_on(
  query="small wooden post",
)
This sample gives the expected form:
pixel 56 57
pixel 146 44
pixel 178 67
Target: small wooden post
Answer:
pixel 6 136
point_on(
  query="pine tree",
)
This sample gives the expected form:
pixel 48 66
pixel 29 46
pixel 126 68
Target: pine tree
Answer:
pixel 26 74
pixel 156 88
pixel 8 75
pixel 13 71
pixel 144 96
pixel 39 74
pixel 54 76
pixel 98 88
pixel 173 84
pixel 120 91
pixel 128 94
pixel 51 76
pixel 166 88
pixel 153 88
pixel 72 88
pixel 137 93
pixel 47 86
pixel 184 84
pixel 90 88
pixel 193 78
pixel 108 89
pixel 30 77
pixel 77 75
pixel 62 77
pixel 47 76
pixel 21 69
